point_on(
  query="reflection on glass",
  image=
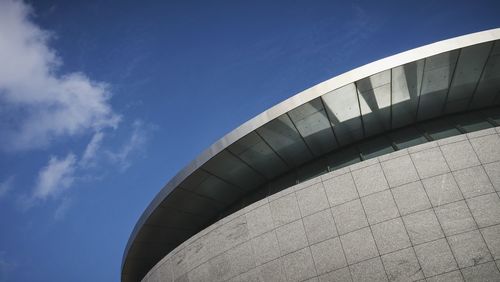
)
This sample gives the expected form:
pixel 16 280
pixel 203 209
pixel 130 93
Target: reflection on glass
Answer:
pixel 375 147
pixel 468 71
pixel 374 95
pixel 258 155
pixel 438 72
pixel 406 86
pixel 228 167
pixel 488 90
pixel 407 137
pixel 312 123
pixel 343 111
pixel 282 136
pixel 439 129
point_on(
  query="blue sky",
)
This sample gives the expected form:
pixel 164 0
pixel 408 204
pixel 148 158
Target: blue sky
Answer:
pixel 102 102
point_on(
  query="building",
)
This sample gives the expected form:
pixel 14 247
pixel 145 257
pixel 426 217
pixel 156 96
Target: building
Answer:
pixel 390 171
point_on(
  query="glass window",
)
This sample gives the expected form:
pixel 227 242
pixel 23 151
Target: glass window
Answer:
pixel 342 158
pixel 438 72
pixel 470 65
pixel 406 85
pixel 375 147
pixel 471 122
pixel 487 93
pixel 283 137
pixel 374 95
pixel 343 111
pixel 439 129
pixel 258 155
pixel 407 137
pixel 312 123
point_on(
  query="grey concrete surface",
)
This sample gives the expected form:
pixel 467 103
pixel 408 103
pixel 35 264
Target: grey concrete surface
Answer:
pixel 429 213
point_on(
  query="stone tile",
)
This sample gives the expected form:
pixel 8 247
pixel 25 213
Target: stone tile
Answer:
pixel 340 189
pixel 379 207
pixel 469 249
pixel 492 237
pixel 370 271
pixel 363 164
pixel 299 266
pixel 328 256
pixel 453 276
pixel 369 180
pixel 402 266
pixel 250 276
pixel 234 233
pixel 349 216
pixel 259 220
pixel 390 236
pixel 480 133
pixel 482 273
pixel 485 209
pixel 411 198
pixel 219 268
pixel 435 257
pixel 280 194
pixel 291 237
pixel 306 184
pixel 487 148
pixel 341 275
pixel 285 210
pixel 422 147
pixel 493 171
pixel 241 258
pixel 182 278
pixel 460 155
pixel 312 199
pixel 429 163
pixel 452 139
pixel 442 189
pixel 335 173
pixel 315 279
pixel 199 274
pixel 265 247
pixel 255 205
pixel 320 226
pixel 272 271
pixel 399 171
pixel 393 155
pixel 473 181
pixel 359 245
pixel 455 218
pixel 422 227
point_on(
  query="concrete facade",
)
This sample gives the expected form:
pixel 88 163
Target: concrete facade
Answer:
pixel 426 213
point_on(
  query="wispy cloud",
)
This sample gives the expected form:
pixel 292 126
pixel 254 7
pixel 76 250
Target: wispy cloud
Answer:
pixel 62 209
pixel 6 266
pixel 55 177
pixel 39 104
pixel 135 142
pixel 6 186
pixel 88 158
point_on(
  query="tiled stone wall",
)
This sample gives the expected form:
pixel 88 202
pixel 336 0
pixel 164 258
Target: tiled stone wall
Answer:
pixel 431 212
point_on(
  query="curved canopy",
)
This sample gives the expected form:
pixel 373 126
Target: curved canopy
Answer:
pixel 449 76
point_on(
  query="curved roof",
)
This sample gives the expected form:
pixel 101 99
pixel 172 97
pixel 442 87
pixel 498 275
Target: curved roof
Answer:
pixel 449 76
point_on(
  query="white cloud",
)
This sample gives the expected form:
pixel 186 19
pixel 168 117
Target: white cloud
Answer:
pixel 6 266
pixel 62 209
pixel 56 177
pixel 6 186
pixel 91 150
pixel 136 142
pixel 38 103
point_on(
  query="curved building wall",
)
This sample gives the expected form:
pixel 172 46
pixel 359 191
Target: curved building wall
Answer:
pixel 428 211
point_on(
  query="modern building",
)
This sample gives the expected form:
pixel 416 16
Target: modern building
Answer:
pixel 390 171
